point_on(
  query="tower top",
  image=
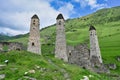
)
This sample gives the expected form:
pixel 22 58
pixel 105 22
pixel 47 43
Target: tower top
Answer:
pixel 60 16
pixel 92 28
pixel 34 17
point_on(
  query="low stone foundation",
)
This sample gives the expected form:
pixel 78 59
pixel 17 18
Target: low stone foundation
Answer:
pixel 8 46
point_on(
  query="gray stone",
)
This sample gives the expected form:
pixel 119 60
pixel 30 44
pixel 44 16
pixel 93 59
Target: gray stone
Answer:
pixel 11 46
pixel 79 55
pixel 2 76
pixel 2 67
pixel 60 46
pixel 94 45
pixel 118 58
pixel 34 44
pixel 112 66
pixel 101 69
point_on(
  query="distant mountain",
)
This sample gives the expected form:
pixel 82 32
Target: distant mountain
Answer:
pixel 4 37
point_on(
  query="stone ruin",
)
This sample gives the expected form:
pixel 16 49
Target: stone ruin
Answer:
pixel 8 46
pixel 80 55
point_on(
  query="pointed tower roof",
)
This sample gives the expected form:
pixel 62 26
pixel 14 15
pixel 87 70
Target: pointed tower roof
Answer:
pixel 34 17
pixel 92 28
pixel 60 16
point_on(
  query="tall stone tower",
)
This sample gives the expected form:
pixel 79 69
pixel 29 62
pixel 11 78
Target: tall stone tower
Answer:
pixel 94 45
pixel 34 36
pixel 60 46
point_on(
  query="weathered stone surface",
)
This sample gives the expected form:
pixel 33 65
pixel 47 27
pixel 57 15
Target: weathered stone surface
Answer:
pixel 31 71
pixel 2 67
pixel 112 66
pixel 95 61
pixel 34 37
pixel 60 46
pixel 2 76
pixel 94 45
pixel 79 55
pixel 101 69
pixel 11 46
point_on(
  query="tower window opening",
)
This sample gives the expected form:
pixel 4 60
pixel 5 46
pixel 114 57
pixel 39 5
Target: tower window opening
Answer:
pixel 33 28
pixel 33 20
pixel 33 23
pixel 33 44
pixel 59 23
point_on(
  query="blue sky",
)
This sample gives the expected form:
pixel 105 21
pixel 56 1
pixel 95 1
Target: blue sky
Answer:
pixel 15 15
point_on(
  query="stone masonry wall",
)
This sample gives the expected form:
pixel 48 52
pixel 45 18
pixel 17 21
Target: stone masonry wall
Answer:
pixel 94 46
pixel 34 36
pixel 79 55
pixel 11 46
pixel 60 45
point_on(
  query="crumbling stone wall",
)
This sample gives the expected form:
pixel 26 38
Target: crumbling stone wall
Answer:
pixel 15 46
pixel 79 55
pixel 11 46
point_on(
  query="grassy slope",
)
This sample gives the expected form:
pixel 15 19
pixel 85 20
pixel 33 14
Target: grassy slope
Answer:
pixel 107 23
pixel 21 62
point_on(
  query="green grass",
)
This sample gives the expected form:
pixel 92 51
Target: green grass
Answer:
pixel 23 61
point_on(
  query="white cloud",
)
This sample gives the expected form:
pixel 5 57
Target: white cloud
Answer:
pixel 92 3
pixel 67 9
pixel 16 14
pixel 11 32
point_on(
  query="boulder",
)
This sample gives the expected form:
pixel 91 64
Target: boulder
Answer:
pixel 85 78
pixel 31 71
pixel 2 76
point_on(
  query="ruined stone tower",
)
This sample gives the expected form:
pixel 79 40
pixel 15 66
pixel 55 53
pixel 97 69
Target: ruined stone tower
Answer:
pixel 94 45
pixel 34 36
pixel 60 46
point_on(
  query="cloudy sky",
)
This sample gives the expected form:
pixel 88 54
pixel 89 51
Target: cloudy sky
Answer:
pixel 15 15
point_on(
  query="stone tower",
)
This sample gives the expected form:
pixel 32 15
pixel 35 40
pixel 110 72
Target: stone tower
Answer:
pixel 34 36
pixel 94 45
pixel 60 46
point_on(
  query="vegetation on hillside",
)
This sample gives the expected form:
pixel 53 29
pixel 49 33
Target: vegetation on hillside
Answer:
pixel 24 65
